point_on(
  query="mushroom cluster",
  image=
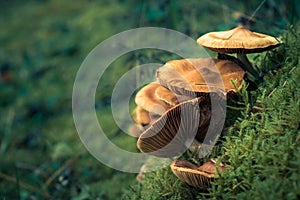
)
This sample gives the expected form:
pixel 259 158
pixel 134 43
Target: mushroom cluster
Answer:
pixel 175 111
pixel 167 109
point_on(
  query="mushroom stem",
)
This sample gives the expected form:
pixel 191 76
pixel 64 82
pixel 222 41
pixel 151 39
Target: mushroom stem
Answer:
pixel 243 58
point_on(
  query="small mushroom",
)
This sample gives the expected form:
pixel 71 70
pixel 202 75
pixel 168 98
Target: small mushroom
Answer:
pixel 147 99
pixel 186 76
pixel 196 176
pixel 143 117
pixel 240 41
pixel 177 128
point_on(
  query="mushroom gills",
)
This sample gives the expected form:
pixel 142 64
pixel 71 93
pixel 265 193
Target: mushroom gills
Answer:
pixel 200 177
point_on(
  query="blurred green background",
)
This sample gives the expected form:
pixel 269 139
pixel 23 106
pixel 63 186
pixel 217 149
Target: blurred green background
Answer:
pixel 42 45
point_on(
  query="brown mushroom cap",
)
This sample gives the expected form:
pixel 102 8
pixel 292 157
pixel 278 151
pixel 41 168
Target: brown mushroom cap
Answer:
pixel 237 40
pixel 165 95
pixel 169 97
pixel 143 117
pixel 195 176
pixel 183 77
pixel 168 136
pixel 147 99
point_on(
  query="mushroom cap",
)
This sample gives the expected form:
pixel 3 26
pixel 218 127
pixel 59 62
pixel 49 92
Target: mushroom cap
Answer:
pixel 169 135
pixel 186 76
pixel 238 40
pixel 165 95
pixel 147 99
pixel 143 117
pixel 195 176
pixel 169 97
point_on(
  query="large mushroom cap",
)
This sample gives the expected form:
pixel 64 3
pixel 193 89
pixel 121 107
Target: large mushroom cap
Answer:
pixel 147 99
pixel 197 77
pixel 238 40
pixel 195 176
pixel 169 135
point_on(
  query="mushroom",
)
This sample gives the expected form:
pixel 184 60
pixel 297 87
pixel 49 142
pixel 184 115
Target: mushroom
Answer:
pixel 164 94
pixel 186 76
pixel 147 99
pixel 196 176
pixel 240 41
pixel 143 117
pixel 177 128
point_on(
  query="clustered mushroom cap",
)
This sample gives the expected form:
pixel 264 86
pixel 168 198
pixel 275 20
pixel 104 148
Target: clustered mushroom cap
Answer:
pixel 195 176
pixel 169 135
pixel 186 76
pixel 165 95
pixel 147 99
pixel 141 116
pixel 238 40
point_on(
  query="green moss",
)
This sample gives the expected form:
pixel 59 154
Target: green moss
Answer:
pixel 161 184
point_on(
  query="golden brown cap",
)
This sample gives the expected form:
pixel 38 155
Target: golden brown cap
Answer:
pixel 169 135
pixel 186 76
pixel 141 116
pixel 238 40
pixel 165 95
pixel 147 99
pixel 195 176
pixel 169 97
